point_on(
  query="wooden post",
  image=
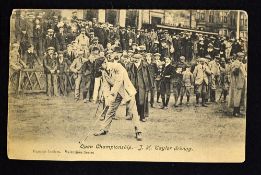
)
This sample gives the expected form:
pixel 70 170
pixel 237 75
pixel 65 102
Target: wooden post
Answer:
pixel 238 24
pixel 19 82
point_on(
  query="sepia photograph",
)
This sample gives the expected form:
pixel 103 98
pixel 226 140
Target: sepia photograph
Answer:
pixel 154 85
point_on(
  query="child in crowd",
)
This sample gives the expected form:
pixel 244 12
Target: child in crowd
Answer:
pixel 187 84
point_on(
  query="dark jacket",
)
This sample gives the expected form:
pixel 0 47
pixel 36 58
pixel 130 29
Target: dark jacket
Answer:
pixel 141 79
pixel 177 77
pixel 87 69
pixel 144 70
pixel 62 67
pixel 38 33
pixel 30 59
pixel 153 69
pixel 167 72
pixel 49 64
pixel 97 67
pixel 51 42
pixel 61 40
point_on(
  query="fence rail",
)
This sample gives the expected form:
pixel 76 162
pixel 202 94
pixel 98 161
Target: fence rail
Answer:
pixel 31 81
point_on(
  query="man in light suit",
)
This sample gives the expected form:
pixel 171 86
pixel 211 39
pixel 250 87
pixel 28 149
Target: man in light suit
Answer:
pixel 117 86
pixel 200 74
pixel 237 90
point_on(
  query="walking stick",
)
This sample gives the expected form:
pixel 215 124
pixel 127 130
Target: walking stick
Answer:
pixel 220 95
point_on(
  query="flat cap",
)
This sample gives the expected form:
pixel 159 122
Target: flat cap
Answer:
pixel 240 54
pixel 208 56
pixel 60 52
pixel 50 48
pixel 137 56
pixel 80 52
pixel 217 56
pixel 50 30
pixel 210 45
pixel 201 59
pixel 142 48
pixel 95 39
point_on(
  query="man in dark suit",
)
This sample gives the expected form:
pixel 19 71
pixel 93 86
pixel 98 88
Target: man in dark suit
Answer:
pixel 61 38
pixel 51 40
pixel 31 58
pixel 153 70
pixel 62 71
pixel 141 79
pixel 124 39
pixel 176 79
pixel 165 84
pixel 87 70
pixel 38 37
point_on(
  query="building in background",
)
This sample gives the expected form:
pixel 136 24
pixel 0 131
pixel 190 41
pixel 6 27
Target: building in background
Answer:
pixel 230 23
pixel 224 22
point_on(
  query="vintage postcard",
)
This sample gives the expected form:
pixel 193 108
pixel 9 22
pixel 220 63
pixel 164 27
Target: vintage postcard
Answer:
pixel 128 85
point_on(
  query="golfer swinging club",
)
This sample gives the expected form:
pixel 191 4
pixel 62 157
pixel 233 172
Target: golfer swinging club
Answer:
pixel 117 86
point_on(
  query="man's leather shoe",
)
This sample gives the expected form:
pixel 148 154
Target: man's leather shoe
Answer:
pixel 204 105
pixel 99 133
pixel 139 136
pixel 128 118
pixel 143 120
